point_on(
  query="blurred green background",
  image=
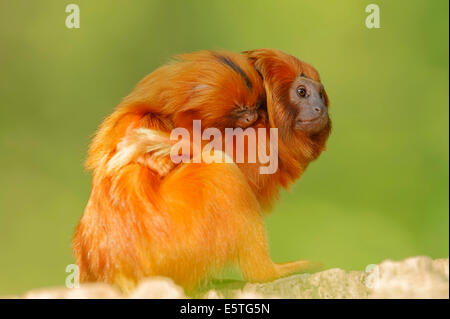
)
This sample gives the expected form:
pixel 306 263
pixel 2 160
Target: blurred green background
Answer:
pixel 380 190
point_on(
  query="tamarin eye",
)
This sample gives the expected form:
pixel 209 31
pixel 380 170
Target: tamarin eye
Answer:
pixel 301 91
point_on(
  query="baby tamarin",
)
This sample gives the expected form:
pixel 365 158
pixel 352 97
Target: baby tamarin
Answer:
pixel 200 217
pixel 219 88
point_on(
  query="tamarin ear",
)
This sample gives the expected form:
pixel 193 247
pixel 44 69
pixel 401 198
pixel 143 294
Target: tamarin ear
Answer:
pixel 253 62
pixel 253 57
pixel 259 59
pixel 273 65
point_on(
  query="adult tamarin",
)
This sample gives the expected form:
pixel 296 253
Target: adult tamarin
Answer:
pixel 202 216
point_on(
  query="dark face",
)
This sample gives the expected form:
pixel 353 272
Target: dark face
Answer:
pixel 308 98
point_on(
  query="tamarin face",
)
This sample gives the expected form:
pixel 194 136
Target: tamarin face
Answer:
pixel 307 99
pixel 297 103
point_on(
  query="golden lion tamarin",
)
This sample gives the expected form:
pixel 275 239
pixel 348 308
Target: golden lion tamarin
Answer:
pixel 201 216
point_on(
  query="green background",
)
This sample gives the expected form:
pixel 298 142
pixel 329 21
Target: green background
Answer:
pixel 380 190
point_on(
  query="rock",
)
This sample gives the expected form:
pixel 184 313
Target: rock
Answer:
pixel 85 291
pixel 212 294
pixel 416 277
pixel 441 265
pixel 332 283
pixel 157 288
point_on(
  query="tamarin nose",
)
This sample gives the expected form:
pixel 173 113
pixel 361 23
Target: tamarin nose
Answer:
pixel 251 117
pixel 247 119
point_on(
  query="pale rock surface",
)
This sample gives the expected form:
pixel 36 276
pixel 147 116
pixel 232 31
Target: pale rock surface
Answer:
pixel 332 283
pixel 85 291
pixel 415 277
pixel 212 294
pixel 158 288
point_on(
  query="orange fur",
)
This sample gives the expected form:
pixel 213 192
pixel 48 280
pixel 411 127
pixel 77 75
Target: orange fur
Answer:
pixel 295 149
pixel 200 217
pixel 135 224
pixel 195 86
